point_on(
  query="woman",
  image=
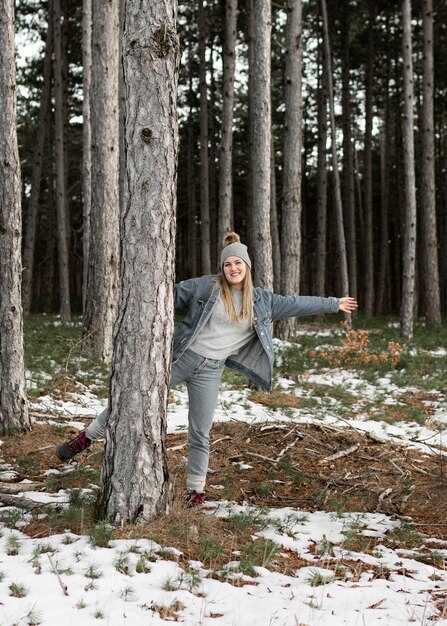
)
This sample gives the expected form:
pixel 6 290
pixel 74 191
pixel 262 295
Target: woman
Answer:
pixel 229 323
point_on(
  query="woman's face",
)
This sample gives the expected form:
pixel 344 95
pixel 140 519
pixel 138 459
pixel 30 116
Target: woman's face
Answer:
pixel 234 270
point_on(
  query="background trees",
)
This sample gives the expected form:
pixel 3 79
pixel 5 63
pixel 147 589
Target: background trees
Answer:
pixel 368 103
pixel 13 404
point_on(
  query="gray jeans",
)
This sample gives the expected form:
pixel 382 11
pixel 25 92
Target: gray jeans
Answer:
pixel 202 377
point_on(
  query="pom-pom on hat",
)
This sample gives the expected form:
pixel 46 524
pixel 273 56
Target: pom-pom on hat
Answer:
pixel 233 247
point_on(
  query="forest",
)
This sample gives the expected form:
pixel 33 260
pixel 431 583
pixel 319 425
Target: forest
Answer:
pixel 134 137
pixel 217 123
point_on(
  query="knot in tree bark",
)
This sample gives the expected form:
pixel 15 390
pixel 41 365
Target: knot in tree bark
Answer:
pixel 164 38
pixel 146 135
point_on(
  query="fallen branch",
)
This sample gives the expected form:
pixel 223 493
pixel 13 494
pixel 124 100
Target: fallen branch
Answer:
pixel 12 488
pixel 342 453
pixel 284 450
pixel 63 586
pixel 26 503
pixel 261 456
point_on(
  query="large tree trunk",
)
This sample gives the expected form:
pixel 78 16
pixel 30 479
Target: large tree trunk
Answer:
pixel 13 405
pixel 341 241
pixel 291 198
pixel 262 242
pixel 320 270
pixel 103 259
pixel 205 234
pixel 429 239
pixel 225 223
pixel 33 208
pixel 409 255
pixel 86 140
pixel 61 198
pixel 134 485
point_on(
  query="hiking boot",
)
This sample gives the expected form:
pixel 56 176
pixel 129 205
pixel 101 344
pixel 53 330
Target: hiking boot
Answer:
pixel 69 449
pixel 194 498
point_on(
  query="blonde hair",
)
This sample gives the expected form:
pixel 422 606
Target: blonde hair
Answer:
pixel 247 290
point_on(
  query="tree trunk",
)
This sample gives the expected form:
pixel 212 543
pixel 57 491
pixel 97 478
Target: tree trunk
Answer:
pixel 86 140
pixel 368 208
pixel 49 262
pixel 65 116
pixel 212 160
pixel 320 271
pixel 225 223
pixel 134 485
pixel 348 158
pixel 382 283
pixel 33 208
pixel 274 227
pixel 205 234
pixel 382 289
pixel 341 242
pixel 429 239
pixel 13 406
pixel 61 199
pixel 192 264
pixel 262 242
pixel 104 252
pixel 409 255
pixel 250 106
pixel 291 198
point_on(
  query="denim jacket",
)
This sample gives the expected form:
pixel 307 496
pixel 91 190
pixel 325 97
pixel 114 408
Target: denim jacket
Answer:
pixel 254 360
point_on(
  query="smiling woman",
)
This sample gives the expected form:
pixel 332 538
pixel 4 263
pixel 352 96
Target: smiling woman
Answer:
pixel 229 323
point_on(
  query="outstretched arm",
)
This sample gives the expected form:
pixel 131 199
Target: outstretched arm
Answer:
pixel 348 304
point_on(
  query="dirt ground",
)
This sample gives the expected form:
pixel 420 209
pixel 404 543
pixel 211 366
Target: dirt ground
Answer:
pixel 278 464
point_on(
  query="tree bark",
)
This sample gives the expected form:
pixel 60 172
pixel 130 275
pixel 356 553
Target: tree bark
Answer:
pixel 49 262
pixel 262 242
pixel 61 199
pixel 274 225
pixel 192 264
pixel 409 254
pixel 368 208
pixel 291 197
pixel 320 272
pixel 348 158
pixel 429 238
pixel 341 241
pixel 250 106
pixel 103 265
pixel 13 405
pixel 225 223
pixel 213 156
pixel 33 208
pixel 383 286
pixel 134 484
pixel 205 234
pixel 86 140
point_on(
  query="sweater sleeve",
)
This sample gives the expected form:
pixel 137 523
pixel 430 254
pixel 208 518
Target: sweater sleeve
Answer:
pixel 295 306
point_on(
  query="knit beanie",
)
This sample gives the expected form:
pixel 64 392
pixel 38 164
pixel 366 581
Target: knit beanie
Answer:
pixel 234 247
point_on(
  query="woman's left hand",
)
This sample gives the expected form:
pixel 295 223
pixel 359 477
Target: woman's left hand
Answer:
pixel 348 304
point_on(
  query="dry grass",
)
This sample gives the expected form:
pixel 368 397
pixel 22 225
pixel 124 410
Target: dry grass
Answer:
pixel 288 468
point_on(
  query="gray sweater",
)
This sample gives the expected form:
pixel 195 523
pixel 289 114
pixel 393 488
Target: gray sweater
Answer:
pixel 220 337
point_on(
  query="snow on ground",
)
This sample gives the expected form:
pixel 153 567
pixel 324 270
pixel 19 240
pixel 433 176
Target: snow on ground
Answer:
pixel 103 583
pixel 99 592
